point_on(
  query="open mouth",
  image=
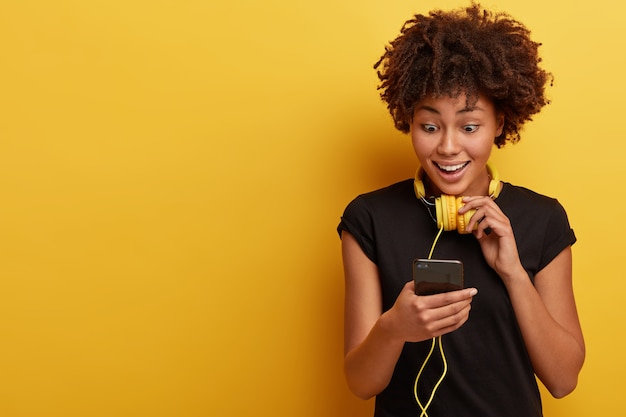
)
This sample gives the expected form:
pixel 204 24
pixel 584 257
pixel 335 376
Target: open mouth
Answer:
pixel 450 169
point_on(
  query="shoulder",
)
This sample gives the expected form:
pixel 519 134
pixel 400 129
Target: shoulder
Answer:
pixel 516 198
pixel 515 191
pixel 397 189
pixel 529 209
pixel 540 223
pixel 385 198
pixel 378 210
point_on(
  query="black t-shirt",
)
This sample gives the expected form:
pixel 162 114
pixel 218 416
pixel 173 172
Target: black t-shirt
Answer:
pixel 489 372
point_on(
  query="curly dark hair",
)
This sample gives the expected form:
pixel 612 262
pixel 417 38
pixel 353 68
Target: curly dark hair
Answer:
pixel 471 51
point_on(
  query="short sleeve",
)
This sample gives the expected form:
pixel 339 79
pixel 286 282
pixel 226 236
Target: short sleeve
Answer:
pixel 357 220
pixel 559 235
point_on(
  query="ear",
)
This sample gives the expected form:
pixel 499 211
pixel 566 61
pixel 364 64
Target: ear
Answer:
pixel 499 123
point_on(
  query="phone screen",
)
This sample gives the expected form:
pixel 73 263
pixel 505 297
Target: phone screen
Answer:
pixel 434 276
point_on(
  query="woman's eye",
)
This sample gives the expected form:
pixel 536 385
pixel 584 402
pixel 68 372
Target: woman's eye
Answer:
pixel 470 128
pixel 429 128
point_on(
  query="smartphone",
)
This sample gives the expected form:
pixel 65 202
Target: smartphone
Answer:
pixel 434 276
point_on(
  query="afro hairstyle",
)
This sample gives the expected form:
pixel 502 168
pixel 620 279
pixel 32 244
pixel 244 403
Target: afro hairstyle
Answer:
pixel 468 51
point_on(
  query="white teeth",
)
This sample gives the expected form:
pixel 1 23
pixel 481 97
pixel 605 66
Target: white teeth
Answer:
pixel 450 168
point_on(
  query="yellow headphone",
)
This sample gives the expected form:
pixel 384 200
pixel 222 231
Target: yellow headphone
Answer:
pixel 447 206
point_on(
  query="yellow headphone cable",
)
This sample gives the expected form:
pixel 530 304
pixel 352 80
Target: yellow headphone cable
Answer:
pixel 435 341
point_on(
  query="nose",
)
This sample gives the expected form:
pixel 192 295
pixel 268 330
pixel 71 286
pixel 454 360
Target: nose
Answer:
pixel 449 143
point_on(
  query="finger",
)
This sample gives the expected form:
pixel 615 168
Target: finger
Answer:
pixel 493 222
pixel 482 214
pixel 451 322
pixel 449 329
pixel 475 199
pixel 446 304
pixel 450 297
pixel 487 218
pixel 484 228
pixel 435 319
pixel 475 220
pixel 474 203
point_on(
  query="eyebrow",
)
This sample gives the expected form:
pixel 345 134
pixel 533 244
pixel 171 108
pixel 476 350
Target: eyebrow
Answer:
pixel 463 110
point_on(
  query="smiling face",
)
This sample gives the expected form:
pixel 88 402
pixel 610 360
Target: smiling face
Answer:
pixel 453 138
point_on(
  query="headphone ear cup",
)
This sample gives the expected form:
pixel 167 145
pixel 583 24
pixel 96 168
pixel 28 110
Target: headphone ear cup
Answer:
pixel 462 220
pixel 447 211
pixel 452 212
pixel 446 208
pixel 439 213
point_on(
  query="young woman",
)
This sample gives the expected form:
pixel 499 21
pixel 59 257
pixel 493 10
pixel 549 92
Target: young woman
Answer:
pixel 459 82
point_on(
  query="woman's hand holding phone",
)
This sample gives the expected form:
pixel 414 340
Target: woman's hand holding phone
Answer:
pixel 415 318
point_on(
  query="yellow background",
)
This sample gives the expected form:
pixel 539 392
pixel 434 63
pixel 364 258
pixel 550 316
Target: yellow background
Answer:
pixel 172 173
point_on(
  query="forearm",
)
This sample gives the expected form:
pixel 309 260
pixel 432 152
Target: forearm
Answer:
pixel 370 365
pixel 557 354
